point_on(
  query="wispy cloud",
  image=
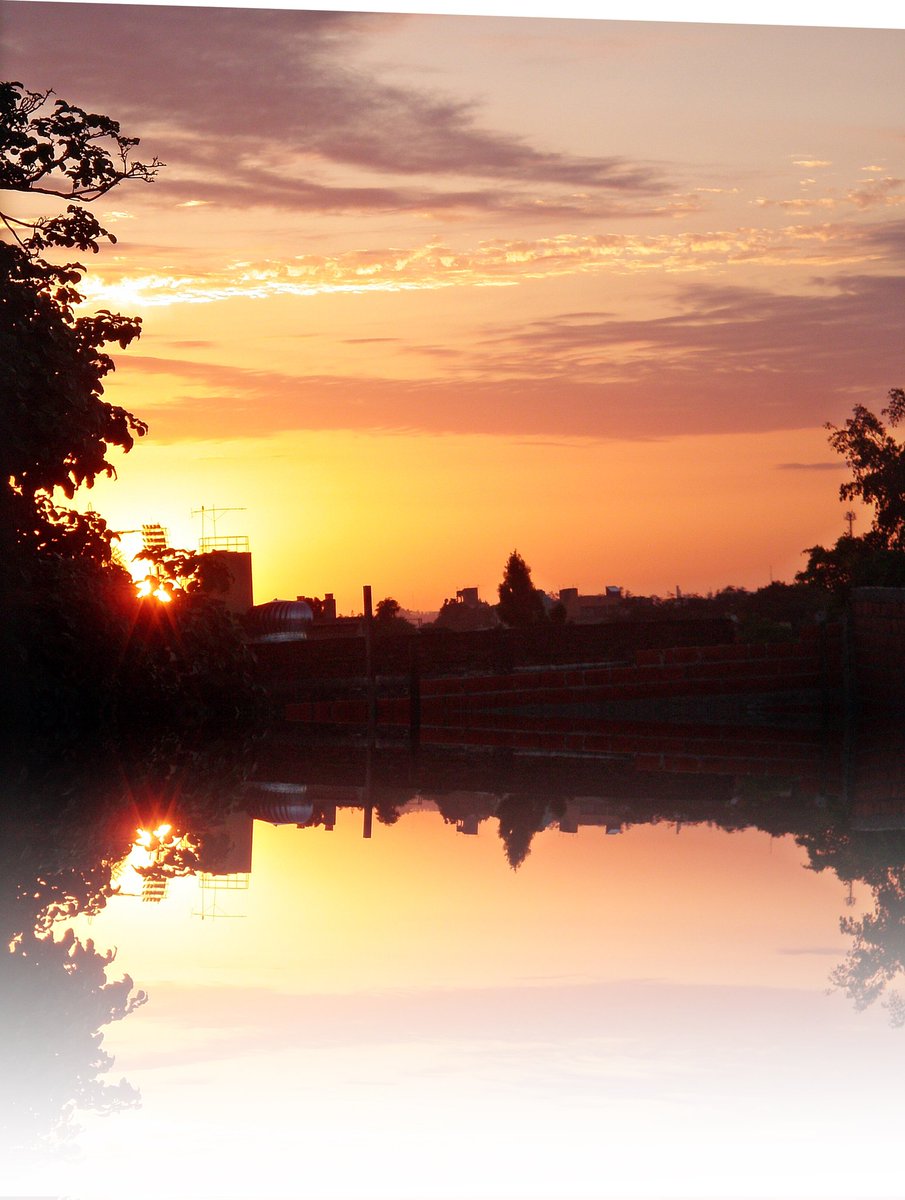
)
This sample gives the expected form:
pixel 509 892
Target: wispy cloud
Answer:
pixel 725 360
pixel 308 114
pixel 813 466
pixel 888 192
pixel 853 321
pixel 495 262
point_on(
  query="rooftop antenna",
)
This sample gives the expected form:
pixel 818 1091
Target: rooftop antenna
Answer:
pixel 850 517
pixel 210 516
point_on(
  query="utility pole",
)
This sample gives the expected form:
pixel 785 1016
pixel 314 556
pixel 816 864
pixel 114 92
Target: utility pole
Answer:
pixel 369 661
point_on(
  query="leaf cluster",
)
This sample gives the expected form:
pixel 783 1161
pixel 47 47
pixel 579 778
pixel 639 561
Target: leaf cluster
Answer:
pixel 55 427
pixel 58 149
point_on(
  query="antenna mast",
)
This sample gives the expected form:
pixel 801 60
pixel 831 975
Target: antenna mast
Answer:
pixel 210 541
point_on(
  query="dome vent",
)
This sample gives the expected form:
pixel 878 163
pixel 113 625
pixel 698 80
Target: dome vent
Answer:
pixel 279 621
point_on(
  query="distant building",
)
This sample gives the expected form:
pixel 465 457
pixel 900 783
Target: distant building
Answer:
pixel 469 597
pixel 586 610
pixel 325 624
pixel 238 596
pixel 467 612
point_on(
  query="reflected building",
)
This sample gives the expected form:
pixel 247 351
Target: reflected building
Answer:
pixel 590 811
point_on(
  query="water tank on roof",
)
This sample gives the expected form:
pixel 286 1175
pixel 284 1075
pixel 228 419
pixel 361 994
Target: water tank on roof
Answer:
pixel 279 621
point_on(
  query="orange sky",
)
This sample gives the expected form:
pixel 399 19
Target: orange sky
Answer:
pixel 418 290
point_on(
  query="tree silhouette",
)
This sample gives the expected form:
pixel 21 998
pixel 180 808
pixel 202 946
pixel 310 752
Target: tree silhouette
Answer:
pixel 56 430
pixel 864 561
pixel 387 610
pixel 877 462
pixel 388 617
pixel 64 597
pixel 64 151
pixel 461 617
pixel 79 648
pixel 521 817
pixel 520 601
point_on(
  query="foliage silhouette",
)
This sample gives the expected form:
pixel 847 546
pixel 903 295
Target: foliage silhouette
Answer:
pixel 387 609
pixel 854 562
pixel 520 602
pixel 56 999
pixel 877 955
pixel 877 462
pixel 81 650
pixel 61 150
pixel 520 818
pixel 63 827
pixel 55 428
pixel 388 617
pixel 461 618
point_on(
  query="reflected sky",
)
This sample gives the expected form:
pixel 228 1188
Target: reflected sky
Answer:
pixel 642 1014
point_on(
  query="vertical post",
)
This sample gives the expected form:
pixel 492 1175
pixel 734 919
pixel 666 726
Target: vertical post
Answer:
pixel 414 691
pixel 369 662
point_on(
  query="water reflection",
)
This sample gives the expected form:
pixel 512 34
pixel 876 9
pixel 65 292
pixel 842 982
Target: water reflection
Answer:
pixel 70 838
pixel 528 845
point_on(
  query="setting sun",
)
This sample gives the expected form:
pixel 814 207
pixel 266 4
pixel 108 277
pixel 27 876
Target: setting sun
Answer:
pixel 151 586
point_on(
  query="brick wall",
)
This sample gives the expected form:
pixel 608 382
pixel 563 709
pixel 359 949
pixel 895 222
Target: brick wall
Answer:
pixel 287 665
pixel 627 708
pixel 878 648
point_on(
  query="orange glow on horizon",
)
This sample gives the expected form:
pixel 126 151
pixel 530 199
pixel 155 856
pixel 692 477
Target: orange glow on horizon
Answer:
pixel 419 517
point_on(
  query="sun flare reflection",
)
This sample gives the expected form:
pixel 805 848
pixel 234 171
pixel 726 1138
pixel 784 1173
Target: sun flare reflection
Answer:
pixel 157 853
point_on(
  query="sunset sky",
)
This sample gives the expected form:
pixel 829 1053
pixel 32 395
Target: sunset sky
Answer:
pixel 418 290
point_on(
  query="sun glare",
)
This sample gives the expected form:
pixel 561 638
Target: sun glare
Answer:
pixel 150 855
pixel 145 837
pixel 151 586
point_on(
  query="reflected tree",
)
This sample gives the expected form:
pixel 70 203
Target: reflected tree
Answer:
pixel 56 998
pixel 877 956
pixel 521 817
pixel 63 829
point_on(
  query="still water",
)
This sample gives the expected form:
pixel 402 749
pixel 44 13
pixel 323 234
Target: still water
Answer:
pixel 351 973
